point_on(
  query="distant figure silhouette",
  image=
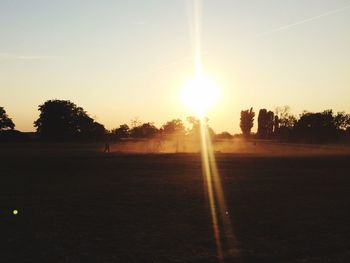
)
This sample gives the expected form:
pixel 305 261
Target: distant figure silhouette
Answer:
pixel 106 150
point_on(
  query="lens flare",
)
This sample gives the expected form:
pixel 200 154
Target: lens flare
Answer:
pixel 220 217
pixel 200 94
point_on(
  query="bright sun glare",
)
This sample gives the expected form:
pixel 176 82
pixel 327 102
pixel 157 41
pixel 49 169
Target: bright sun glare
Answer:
pixel 200 94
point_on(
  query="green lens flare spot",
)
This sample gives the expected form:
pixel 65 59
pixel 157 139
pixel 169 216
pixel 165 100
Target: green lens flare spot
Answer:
pixel 15 212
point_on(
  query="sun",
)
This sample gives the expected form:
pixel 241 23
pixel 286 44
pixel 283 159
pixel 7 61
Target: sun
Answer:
pixel 200 94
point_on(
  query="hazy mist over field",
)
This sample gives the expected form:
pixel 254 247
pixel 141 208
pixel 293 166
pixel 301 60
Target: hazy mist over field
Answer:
pixel 188 131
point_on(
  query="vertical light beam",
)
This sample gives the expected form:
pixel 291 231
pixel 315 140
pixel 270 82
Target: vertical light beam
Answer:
pixel 220 216
pixel 210 189
pixel 197 37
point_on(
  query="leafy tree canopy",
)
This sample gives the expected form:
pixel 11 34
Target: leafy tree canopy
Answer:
pixel 145 130
pixel 122 132
pixel 247 121
pixel 5 122
pixel 63 120
pixel 174 127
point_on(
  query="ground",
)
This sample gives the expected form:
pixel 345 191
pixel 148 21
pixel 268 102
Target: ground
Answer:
pixel 76 204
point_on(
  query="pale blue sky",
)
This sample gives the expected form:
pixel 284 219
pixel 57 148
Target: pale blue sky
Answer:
pixel 122 59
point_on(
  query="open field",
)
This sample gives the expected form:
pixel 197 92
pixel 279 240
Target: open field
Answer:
pixel 78 205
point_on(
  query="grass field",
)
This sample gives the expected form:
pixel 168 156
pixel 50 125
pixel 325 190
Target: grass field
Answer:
pixel 76 204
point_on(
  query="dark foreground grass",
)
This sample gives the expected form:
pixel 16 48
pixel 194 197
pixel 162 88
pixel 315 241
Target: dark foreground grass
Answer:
pixel 78 205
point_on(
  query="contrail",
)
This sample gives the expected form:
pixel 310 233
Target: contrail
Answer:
pixel 25 57
pixel 282 28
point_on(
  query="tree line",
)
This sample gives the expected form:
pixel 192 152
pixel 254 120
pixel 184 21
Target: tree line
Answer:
pixel 62 120
pixel 310 127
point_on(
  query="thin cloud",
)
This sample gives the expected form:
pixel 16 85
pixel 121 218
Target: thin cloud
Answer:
pixel 25 57
pixel 285 27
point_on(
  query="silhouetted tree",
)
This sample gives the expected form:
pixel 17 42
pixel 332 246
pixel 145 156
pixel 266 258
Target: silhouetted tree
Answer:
pixel 276 124
pixel 316 127
pixel 265 124
pixel 283 123
pixel 247 121
pixel 270 124
pixel 93 131
pixel 285 118
pixel 122 132
pixel 174 127
pixel 223 136
pixel 135 122
pixel 262 123
pixel 195 125
pixel 5 122
pixel 63 120
pixel 342 121
pixel 145 130
pixel 195 130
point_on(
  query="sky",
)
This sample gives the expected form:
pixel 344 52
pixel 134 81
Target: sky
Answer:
pixel 122 60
